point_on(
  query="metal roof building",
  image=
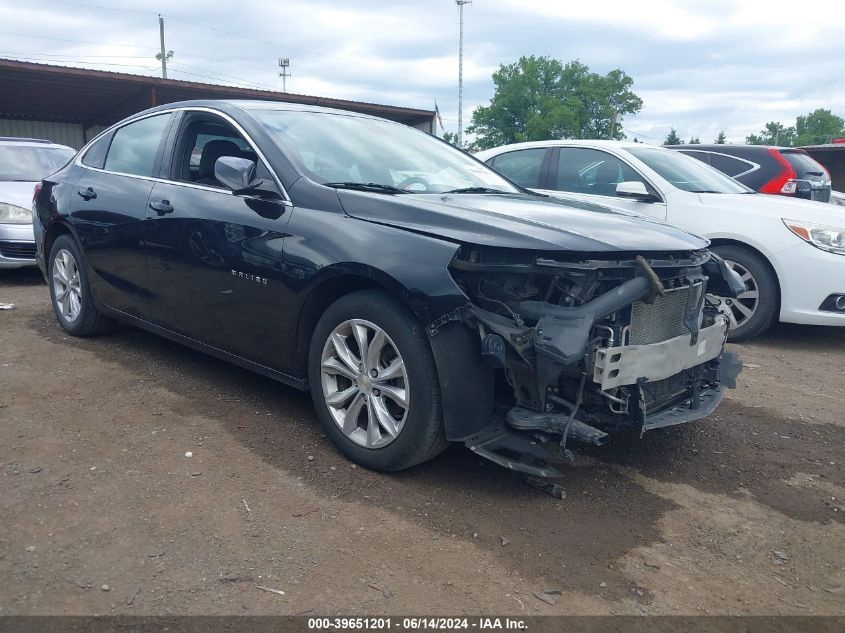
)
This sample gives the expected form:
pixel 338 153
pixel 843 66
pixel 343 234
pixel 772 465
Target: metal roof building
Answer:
pixel 71 105
pixel 832 156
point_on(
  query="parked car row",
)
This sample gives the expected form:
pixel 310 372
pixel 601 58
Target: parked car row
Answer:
pixel 788 252
pixel 563 291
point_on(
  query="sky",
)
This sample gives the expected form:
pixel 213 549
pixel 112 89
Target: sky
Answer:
pixel 699 66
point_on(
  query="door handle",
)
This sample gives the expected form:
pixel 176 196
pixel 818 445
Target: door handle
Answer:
pixel 87 194
pixel 161 207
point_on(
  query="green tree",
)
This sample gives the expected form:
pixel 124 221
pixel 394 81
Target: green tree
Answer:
pixel 694 140
pixel 775 133
pixel 540 98
pixel 451 137
pixel 819 126
pixel 672 138
pixel 720 140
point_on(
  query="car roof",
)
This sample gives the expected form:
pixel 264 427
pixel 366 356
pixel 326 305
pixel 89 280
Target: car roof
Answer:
pixel 227 105
pixel 727 147
pixel 568 142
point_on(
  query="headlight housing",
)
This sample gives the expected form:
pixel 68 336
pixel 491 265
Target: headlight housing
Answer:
pixel 827 238
pixel 11 214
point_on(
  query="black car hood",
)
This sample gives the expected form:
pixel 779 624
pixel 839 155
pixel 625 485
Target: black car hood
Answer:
pixel 519 221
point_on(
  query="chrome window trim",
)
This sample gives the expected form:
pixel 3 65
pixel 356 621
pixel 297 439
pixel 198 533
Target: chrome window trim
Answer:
pixel 78 160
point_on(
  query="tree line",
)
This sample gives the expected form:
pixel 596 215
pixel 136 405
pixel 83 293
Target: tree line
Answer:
pixel 815 128
pixel 540 98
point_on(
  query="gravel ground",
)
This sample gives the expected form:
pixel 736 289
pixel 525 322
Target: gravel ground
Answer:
pixel 103 513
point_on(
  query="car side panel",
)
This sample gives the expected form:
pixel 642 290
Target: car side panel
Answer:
pixel 215 266
pixel 111 230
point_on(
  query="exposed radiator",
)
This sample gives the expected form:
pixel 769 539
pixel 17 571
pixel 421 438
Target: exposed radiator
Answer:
pixel 663 319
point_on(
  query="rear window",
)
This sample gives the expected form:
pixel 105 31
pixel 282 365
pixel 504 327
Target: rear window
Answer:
pixel 521 166
pixel 134 146
pixel 730 165
pixel 803 164
pixel 95 156
pixel 704 157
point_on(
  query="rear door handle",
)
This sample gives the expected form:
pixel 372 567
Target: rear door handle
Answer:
pixel 161 207
pixel 87 194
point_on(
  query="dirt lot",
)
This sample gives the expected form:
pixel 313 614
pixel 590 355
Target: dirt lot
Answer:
pixel 739 514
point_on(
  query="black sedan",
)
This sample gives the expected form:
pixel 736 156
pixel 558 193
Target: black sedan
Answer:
pixel 421 297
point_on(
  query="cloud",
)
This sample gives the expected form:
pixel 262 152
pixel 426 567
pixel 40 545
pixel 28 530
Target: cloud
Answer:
pixel 700 66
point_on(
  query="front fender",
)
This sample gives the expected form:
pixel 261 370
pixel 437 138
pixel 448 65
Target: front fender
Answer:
pixel 466 380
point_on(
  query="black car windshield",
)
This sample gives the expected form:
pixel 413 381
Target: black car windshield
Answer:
pixel 342 150
pixel 687 174
pixel 30 163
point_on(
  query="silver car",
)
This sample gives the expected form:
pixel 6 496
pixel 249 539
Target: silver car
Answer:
pixel 23 163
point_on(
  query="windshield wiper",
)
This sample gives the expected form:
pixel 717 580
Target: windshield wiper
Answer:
pixel 477 190
pixel 366 186
pixel 705 191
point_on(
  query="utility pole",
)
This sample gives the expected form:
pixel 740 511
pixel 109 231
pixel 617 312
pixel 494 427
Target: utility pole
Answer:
pixel 284 64
pixel 461 4
pixel 162 55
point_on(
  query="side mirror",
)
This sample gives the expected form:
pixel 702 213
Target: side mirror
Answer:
pixel 238 174
pixel 633 189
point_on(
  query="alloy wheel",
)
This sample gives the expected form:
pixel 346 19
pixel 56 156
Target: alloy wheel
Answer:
pixel 365 384
pixel 744 307
pixel 67 288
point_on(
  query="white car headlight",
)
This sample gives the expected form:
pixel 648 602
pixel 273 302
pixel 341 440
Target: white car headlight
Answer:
pixel 11 214
pixel 827 238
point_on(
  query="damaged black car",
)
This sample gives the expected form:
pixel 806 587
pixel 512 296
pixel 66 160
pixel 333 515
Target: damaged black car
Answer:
pixel 421 297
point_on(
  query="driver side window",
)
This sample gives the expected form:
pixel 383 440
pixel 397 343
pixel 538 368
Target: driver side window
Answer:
pixel 591 171
pixel 202 140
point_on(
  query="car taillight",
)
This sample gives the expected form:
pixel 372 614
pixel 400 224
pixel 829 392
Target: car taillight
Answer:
pixel 785 183
pixel 35 192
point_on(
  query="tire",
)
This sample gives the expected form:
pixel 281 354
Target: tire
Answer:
pixel 758 277
pixel 348 399
pixel 74 306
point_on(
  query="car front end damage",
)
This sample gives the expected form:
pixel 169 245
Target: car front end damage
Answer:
pixel 583 347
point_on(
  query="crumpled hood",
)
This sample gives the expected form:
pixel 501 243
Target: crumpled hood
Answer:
pixel 17 193
pixel 519 221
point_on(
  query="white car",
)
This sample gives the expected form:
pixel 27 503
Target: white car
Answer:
pixel 23 163
pixel 790 253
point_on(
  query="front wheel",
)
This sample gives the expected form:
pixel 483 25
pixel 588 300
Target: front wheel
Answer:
pixel 756 308
pixel 374 382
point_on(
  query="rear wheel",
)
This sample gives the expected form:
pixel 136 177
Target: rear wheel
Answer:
pixel 70 291
pixel 374 382
pixel 756 308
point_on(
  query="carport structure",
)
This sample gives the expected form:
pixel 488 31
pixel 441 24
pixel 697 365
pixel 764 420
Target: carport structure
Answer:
pixel 832 156
pixel 71 105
